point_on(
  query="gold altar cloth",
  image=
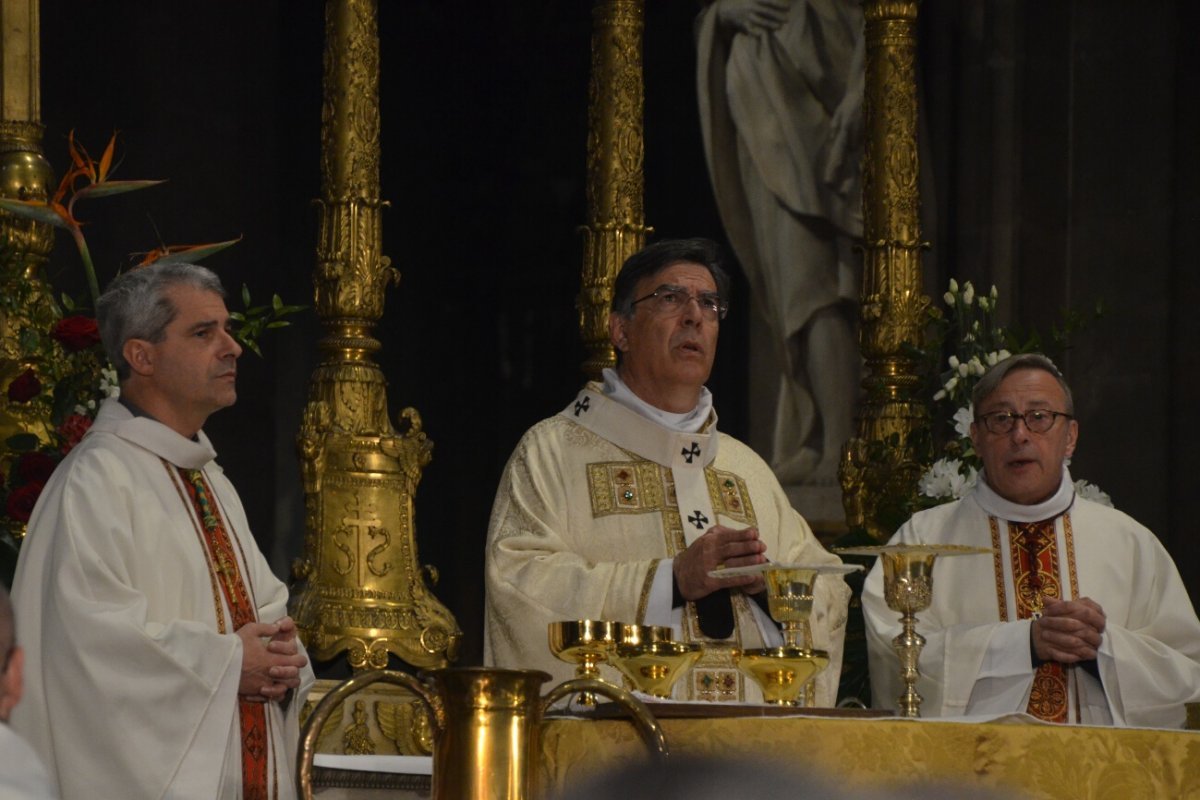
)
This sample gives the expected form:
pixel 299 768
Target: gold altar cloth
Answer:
pixel 1029 760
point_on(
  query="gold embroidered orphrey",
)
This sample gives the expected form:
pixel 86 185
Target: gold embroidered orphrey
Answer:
pixel 1036 570
pixel 644 487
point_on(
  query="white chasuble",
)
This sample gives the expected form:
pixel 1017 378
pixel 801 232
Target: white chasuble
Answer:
pixel 132 666
pixel 977 657
pixel 595 500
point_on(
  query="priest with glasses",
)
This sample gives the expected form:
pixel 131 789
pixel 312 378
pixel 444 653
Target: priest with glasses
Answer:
pixel 1077 615
pixel 619 507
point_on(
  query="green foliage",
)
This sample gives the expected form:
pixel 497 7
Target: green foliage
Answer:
pixel 251 324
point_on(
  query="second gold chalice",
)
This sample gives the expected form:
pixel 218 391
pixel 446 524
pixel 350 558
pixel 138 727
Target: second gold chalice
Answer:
pixel 908 588
pixel 785 673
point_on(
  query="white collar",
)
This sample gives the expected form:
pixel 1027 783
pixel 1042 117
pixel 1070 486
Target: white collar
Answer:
pixel 997 506
pixel 149 433
pixel 687 422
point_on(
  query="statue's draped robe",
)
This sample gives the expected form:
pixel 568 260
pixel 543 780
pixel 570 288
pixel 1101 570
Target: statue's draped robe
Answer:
pixel 590 505
pixel 977 656
pixel 781 118
pixel 132 668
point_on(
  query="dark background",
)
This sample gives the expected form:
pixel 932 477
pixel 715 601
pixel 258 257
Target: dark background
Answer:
pixel 1061 140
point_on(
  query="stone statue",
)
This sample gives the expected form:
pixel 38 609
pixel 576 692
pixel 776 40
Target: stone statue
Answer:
pixel 781 93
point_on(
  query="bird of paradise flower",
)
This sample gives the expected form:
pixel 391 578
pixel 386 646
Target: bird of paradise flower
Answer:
pixel 87 178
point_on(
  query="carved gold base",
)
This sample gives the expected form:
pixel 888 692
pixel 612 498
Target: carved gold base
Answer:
pixel 382 719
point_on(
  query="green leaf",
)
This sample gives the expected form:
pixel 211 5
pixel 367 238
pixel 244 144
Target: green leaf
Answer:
pixel 39 212
pixel 279 323
pixel 192 255
pixel 108 188
pixel 67 302
pixel 245 295
pixel 277 303
pixel 237 316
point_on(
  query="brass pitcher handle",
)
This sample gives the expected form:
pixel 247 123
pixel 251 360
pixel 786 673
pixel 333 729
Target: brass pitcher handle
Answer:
pixel 648 727
pixel 311 730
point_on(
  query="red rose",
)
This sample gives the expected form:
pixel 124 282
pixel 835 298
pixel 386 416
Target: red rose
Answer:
pixel 35 467
pixel 21 500
pixel 77 333
pixel 24 387
pixel 72 430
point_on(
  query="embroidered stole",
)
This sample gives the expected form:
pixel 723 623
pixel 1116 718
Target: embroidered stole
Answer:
pixel 223 562
pixel 1037 567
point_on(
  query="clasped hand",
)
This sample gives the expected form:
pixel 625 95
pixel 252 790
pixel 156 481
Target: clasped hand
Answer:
pixel 271 660
pixel 1068 631
pixel 719 547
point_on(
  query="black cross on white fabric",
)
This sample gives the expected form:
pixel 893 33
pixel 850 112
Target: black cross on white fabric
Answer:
pixel 692 453
pixel 582 405
pixel 698 519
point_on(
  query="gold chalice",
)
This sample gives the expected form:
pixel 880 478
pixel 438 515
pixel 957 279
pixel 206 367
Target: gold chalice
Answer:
pixel 784 672
pixel 586 643
pixel 908 588
pixel 653 667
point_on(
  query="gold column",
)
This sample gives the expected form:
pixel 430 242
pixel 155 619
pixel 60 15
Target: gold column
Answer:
pixel 364 591
pixel 25 299
pixel 616 226
pixel 879 462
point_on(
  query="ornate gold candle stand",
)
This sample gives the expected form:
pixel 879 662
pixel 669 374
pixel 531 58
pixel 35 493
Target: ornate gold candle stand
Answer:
pixel 784 673
pixel 908 588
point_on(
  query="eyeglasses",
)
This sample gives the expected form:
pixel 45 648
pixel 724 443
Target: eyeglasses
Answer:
pixel 671 300
pixel 1037 420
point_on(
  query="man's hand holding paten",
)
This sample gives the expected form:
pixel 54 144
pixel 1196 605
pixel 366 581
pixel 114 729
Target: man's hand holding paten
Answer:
pixel 271 660
pixel 719 547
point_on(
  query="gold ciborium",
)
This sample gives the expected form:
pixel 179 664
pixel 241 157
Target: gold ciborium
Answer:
pixel 908 588
pixel 586 643
pixel 653 667
pixel 784 673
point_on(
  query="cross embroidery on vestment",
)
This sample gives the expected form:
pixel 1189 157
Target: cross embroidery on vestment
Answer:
pixel 690 454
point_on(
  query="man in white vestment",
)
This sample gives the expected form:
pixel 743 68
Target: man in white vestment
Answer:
pixel 161 660
pixel 619 507
pixel 1077 614
pixel 780 87
pixel 22 776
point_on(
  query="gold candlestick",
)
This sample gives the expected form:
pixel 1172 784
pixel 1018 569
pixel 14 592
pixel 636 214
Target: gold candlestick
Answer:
pixel 908 588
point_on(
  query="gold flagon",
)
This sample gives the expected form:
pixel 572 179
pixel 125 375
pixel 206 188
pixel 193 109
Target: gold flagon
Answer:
pixel 364 591
pixel 616 226
pixel 893 310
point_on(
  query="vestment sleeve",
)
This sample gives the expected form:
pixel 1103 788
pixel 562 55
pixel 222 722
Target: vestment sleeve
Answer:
pixel 534 572
pixel 1150 665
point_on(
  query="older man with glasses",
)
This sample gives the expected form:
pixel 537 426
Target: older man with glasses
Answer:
pixel 619 507
pixel 1078 615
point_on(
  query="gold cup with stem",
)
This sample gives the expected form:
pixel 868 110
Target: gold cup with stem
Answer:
pixel 586 643
pixel 786 673
pixel 908 588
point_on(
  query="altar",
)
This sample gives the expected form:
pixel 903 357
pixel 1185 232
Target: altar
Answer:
pixel 1009 754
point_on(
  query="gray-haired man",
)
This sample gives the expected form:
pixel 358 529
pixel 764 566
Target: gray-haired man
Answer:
pixel 1077 615
pixel 163 662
